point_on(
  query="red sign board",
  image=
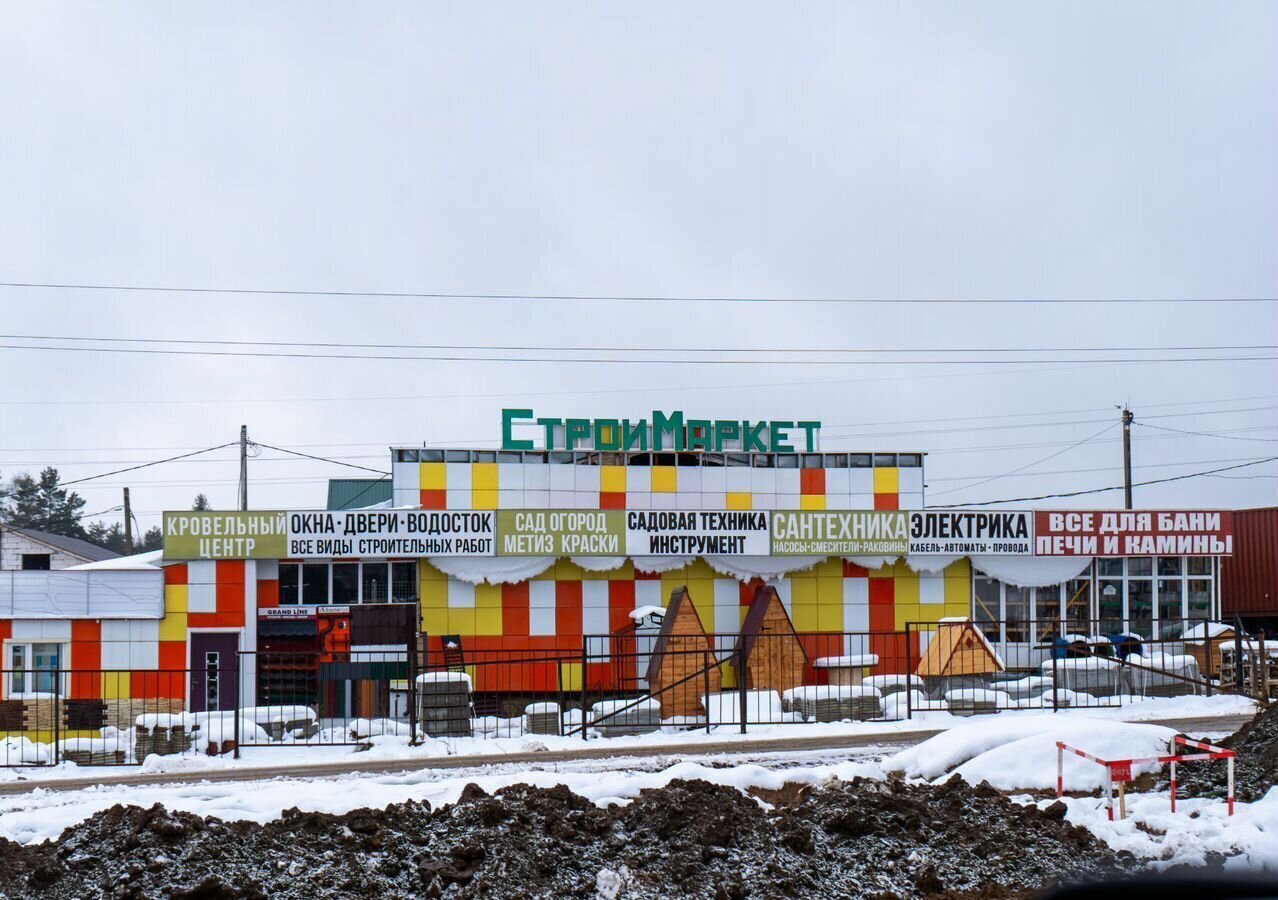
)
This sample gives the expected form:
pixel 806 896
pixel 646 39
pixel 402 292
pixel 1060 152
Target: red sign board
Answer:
pixel 1134 533
pixel 1121 771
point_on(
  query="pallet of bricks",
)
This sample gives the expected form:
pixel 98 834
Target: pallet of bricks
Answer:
pixel 162 734
pixel 1257 679
pixel 443 704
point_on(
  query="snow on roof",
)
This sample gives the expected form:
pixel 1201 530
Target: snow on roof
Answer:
pixel 846 662
pixel 1207 630
pixel 642 612
pixel 436 677
pixel 149 560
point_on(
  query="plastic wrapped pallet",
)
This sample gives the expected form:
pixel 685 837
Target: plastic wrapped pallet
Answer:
pixel 542 718
pixel 1089 675
pixel 975 701
pixel 835 702
pixel 629 716
pixel 443 704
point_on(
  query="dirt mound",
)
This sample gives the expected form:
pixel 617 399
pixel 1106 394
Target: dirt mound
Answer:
pixel 691 838
pixel 1255 769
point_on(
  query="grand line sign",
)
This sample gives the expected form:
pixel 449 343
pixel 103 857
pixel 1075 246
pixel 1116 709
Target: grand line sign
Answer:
pixel 662 432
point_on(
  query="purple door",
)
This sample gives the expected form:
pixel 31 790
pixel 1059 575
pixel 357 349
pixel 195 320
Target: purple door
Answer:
pixel 214 671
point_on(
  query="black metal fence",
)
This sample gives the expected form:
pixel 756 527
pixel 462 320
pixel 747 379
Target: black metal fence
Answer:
pixel 630 682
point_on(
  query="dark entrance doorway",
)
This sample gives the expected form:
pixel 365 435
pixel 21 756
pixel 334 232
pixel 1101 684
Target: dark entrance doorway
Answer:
pixel 214 671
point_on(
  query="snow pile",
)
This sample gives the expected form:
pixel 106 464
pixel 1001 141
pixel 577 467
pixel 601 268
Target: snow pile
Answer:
pixel 1020 753
pixel 810 693
pixel 761 706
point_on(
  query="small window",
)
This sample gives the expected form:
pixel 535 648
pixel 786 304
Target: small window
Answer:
pixel 508 456
pixel 836 460
pixel 909 460
pixel 663 459
pixel 1140 565
pixel 787 461
pixel 289 583
pixel 36 562
pixel 345 584
pixel 374 582
pixel 712 459
pixel 1109 567
pixel 455 456
pixel 585 458
pixel 561 457
pixel 763 461
pixel 859 460
pixel 485 456
pixel 1199 565
pixel 689 459
pixel 613 459
pixel 535 456
pixel 884 460
pixel 404 582
pixel 405 456
pixel 639 459
pixel 430 455
pixel 32 668
pixel 738 460
pixel 1169 565
pixel 315 583
pixel 813 461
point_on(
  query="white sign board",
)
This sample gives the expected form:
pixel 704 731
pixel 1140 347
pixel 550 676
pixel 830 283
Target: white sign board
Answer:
pixel 408 533
pixel 957 532
pixel 687 533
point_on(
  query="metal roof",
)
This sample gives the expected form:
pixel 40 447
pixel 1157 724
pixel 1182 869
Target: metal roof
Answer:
pixel 357 493
pixel 75 546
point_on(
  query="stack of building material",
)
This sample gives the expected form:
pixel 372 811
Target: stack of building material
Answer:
pixel 1256 678
pixel 299 722
pixel 891 684
pixel 39 714
pixel 542 718
pixel 162 734
pixel 975 701
pixel 1087 675
pixel 92 752
pixel 835 702
pixel 846 669
pixel 443 704
pixel 631 716
pixel 1026 688
pixel 761 708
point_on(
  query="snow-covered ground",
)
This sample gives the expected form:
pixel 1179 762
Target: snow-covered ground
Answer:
pixel 1014 751
pixel 393 744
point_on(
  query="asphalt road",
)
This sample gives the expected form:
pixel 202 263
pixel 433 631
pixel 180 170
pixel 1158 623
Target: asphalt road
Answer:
pixel 352 764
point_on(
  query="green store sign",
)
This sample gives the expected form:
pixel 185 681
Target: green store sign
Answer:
pixel 662 432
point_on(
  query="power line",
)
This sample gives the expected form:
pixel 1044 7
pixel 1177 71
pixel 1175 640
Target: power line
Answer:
pixel 321 458
pixel 646 361
pixel 1032 464
pixel 1117 487
pixel 1230 437
pixel 348 345
pixel 1090 469
pixel 443 295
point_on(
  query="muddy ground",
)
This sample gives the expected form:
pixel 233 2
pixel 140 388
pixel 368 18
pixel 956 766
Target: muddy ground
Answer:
pixel 1255 769
pixel 857 839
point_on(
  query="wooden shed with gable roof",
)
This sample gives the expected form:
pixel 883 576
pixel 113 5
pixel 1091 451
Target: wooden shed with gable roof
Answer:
pixel 677 675
pixel 774 656
pixel 959 648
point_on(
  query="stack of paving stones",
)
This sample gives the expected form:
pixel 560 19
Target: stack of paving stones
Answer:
pixel 95 754
pixel 834 703
pixel 892 684
pixel 443 704
pixel 542 718
pixel 975 701
pixel 640 716
pixel 161 735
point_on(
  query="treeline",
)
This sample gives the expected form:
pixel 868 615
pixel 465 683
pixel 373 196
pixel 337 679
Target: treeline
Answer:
pixel 44 505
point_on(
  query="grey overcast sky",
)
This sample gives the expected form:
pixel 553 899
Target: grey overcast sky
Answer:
pixel 849 149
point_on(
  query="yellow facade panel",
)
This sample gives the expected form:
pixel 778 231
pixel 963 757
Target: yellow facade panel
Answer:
pixel 175 600
pixel 612 479
pixel 739 500
pixel 887 481
pixel 483 498
pixel 433 476
pixel 812 501
pixel 483 477
pixel 664 479
pixel 173 626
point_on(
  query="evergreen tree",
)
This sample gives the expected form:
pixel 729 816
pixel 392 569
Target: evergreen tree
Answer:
pixel 43 505
pixel 152 540
pixel 111 538
pixel 201 503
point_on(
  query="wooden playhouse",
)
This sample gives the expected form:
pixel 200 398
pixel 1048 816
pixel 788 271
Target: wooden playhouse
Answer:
pixel 959 650
pixel 773 655
pixel 682 666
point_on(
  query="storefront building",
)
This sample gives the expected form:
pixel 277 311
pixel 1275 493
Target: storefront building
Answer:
pixel 530 549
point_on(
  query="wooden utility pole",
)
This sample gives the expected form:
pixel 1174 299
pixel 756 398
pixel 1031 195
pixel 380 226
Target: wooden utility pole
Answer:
pixel 1127 457
pixel 128 525
pixel 243 467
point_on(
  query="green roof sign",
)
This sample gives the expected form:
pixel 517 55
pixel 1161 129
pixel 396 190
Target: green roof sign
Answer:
pixel 662 432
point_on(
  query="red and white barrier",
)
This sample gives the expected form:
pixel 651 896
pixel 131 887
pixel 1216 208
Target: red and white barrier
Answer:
pixel 1119 771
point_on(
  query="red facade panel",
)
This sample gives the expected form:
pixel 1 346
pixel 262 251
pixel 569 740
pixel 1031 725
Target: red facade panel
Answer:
pixel 1249 578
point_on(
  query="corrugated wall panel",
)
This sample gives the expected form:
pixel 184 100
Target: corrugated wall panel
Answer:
pixel 1249 578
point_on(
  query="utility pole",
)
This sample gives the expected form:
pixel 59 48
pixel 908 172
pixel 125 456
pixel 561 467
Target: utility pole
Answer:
pixel 244 467
pixel 1127 457
pixel 128 525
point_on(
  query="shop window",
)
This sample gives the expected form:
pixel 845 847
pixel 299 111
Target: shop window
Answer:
pixel 1047 612
pixel 884 460
pixel 1169 565
pixel 290 584
pixel 1078 605
pixel 314 583
pixel 1170 606
pixel 345 591
pixel 375 582
pixel 1198 600
pixel 431 455
pixel 1109 567
pixel 860 460
pixel 1140 605
pixel 1110 607
pixel 36 562
pixel 986 606
pixel 404 582
pixel 1199 565
pixel 910 460
pixel 1140 565
pixel 1017 606
pixel 33 668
